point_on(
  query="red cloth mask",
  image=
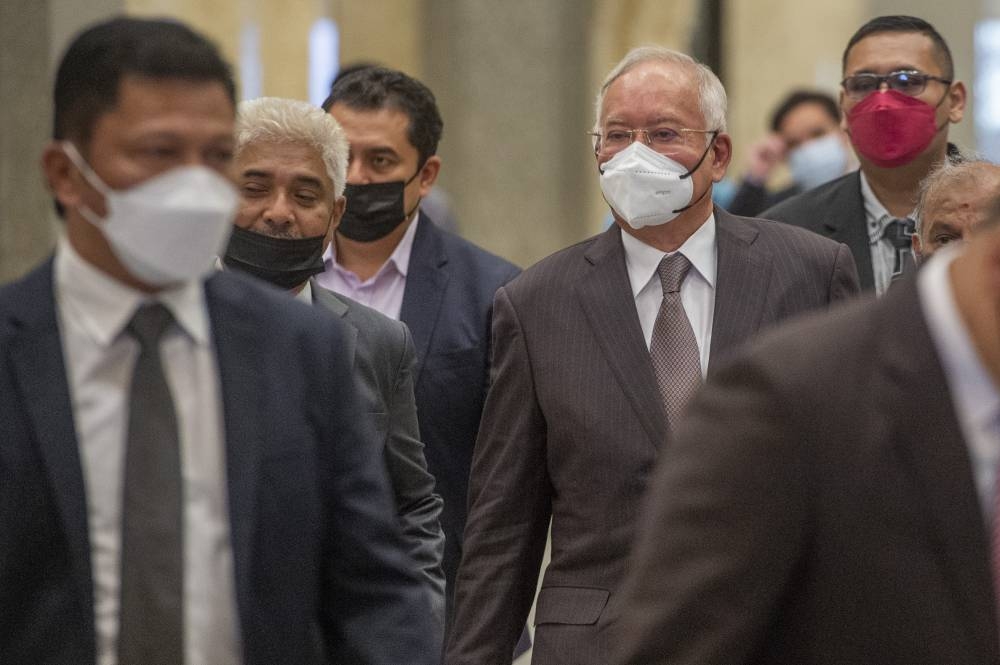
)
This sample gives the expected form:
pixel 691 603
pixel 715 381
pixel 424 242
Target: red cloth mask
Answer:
pixel 890 129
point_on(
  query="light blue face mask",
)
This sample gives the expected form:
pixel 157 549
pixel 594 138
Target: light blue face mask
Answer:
pixel 818 161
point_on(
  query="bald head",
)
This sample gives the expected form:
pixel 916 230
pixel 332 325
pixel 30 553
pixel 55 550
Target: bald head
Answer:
pixel 955 199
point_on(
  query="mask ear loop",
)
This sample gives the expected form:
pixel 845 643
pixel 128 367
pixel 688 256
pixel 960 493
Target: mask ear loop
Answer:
pixel 711 143
pixel 412 178
pixel 84 168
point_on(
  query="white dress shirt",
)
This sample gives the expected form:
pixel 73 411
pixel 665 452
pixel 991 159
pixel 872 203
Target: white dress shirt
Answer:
pixel 93 310
pixel 697 290
pixel 882 251
pixel 975 397
pixel 383 291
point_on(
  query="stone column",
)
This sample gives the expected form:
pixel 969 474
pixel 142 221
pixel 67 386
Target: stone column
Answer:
pixel 26 226
pixel 512 82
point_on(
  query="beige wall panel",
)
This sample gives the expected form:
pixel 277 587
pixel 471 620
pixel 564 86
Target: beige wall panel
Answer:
pixel 389 32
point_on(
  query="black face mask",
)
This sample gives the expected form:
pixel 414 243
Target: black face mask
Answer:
pixel 374 210
pixel 284 262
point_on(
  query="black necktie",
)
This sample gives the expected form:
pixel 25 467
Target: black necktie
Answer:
pixel 899 233
pixel 152 580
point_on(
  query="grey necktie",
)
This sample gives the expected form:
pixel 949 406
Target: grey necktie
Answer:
pixel 673 348
pixel 152 607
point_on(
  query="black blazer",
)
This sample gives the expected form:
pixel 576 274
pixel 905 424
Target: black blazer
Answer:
pixel 381 351
pixel 447 304
pixel 835 210
pixel 319 569
pixel 817 507
pixel 574 420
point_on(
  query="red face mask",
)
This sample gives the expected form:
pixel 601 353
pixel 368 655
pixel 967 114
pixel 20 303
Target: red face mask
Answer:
pixel 890 129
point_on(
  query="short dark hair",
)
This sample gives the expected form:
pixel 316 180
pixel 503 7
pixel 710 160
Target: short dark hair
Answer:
pixel 900 23
pixel 373 88
pixel 91 69
pixel 799 97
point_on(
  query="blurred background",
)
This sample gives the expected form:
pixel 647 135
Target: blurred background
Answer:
pixel 515 81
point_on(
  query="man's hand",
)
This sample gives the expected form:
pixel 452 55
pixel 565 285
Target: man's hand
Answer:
pixel 764 156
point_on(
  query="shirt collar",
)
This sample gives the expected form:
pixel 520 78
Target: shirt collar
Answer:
pixel 103 306
pixel 641 259
pixel 876 214
pixel 398 260
pixel 975 393
pixel 306 294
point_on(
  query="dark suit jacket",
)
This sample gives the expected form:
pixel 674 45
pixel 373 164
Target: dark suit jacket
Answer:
pixel 835 210
pixel 817 507
pixel 573 423
pixel 447 305
pixel 751 198
pixel 320 571
pixel 381 351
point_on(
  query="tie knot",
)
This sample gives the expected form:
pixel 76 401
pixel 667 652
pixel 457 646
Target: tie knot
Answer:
pixel 672 270
pixel 149 323
pixel 898 232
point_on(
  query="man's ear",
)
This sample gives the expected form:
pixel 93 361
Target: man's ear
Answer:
pixel 429 173
pixel 720 154
pixel 61 175
pixel 336 213
pixel 916 246
pixel 957 96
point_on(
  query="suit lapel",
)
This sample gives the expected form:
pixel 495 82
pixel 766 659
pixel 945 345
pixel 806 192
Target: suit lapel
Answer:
pixel 845 222
pixel 426 281
pixel 741 284
pixel 605 294
pixel 37 358
pixel 930 446
pixel 237 340
pixel 340 307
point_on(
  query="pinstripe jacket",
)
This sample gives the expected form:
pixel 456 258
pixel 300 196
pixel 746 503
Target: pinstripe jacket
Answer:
pixel 573 422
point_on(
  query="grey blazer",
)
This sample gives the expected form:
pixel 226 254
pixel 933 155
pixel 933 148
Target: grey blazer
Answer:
pixel 383 359
pixel 573 422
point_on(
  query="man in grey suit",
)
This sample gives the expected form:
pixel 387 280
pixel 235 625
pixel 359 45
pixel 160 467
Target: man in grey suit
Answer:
pixel 596 350
pixel 290 163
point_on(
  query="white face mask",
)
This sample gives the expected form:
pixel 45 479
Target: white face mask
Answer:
pixel 168 229
pixel 646 188
pixel 818 161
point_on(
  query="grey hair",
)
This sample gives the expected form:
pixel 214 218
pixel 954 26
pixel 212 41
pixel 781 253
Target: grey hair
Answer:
pixel 711 94
pixel 947 175
pixel 277 120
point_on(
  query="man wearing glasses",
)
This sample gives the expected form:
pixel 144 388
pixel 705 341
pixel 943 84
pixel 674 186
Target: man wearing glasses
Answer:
pixel 597 349
pixel 898 96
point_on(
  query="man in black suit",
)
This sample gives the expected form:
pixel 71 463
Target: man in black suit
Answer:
pixel 386 254
pixel 183 476
pixel 290 165
pixel 898 97
pixel 596 350
pixel 831 497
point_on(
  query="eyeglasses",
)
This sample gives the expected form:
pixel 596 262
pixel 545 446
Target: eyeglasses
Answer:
pixel 656 137
pixel 908 82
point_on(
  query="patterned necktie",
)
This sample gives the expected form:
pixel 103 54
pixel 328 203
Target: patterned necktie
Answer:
pixel 899 233
pixel 151 614
pixel 673 348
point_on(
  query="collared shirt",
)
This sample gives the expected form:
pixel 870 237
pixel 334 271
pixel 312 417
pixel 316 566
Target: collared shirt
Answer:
pixel 882 251
pixel 93 311
pixel 697 290
pixel 383 291
pixel 975 397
